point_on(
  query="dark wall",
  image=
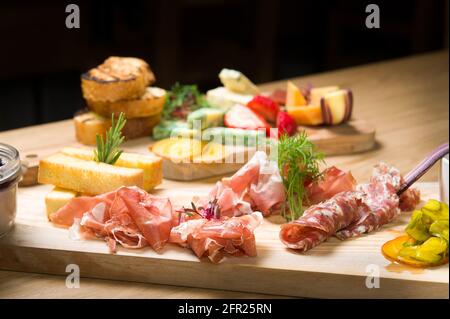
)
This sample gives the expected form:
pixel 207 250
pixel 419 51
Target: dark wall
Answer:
pixel 191 40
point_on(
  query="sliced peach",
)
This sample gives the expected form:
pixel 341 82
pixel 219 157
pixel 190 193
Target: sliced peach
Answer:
pixel 306 115
pixel 294 96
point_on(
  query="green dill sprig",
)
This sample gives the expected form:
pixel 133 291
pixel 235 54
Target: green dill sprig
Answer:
pixel 108 150
pixel 298 162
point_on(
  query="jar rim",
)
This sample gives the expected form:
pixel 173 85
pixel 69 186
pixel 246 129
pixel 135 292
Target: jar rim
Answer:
pixel 11 170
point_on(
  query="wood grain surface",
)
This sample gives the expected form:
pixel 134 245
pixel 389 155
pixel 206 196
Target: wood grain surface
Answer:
pixel 406 100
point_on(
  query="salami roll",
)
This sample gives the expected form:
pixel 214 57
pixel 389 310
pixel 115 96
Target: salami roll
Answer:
pixel 352 213
pixel 321 221
pixel 379 206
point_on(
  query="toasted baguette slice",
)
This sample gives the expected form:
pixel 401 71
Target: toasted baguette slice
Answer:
pixel 88 125
pixel 87 177
pixel 57 198
pixel 118 78
pixel 151 103
pixel 149 163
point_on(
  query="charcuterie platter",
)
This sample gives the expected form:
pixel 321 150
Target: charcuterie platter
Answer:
pixel 333 270
pixel 281 221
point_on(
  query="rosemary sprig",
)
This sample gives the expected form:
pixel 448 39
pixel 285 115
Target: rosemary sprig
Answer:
pixel 108 150
pixel 298 162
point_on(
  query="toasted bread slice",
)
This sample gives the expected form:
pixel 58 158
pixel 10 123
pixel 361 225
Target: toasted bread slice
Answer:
pixel 117 78
pixel 88 125
pixel 151 103
pixel 57 198
pixel 87 177
pixel 149 163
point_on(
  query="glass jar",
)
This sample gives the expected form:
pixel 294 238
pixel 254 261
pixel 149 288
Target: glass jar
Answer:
pixel 10 174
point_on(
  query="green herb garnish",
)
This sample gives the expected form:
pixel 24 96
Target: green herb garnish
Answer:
pixel 181 100
pixel 108 150
pixel 298 162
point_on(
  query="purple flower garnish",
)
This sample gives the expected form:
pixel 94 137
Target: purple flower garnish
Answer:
pixel 211 211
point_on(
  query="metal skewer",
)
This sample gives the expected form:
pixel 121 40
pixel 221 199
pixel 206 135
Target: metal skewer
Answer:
pixel 423 167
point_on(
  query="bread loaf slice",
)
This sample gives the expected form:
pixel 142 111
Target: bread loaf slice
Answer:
pixel 117 78
pixel 149 163
pixel 151 103
pixel 87 177
pixel 89 124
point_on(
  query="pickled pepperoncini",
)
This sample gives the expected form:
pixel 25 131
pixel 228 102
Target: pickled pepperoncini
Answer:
pixel 426 242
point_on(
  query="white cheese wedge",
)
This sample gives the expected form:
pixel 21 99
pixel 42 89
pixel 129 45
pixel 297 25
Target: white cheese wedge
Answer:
pixel 237 82
pixel 57 198
pixel 224 99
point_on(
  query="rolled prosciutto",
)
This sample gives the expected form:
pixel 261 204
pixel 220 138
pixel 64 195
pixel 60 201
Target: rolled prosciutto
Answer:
pixel 333 181
pixel 257 186
pixel 216 238
pixel 128 216
pixel 349 214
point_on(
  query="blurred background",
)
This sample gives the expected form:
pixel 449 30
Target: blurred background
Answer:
pixel 190 41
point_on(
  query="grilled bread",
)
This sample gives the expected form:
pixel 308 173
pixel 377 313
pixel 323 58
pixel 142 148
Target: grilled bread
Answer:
pixel 151 103
pixel 87 177
pixel 57 198
pixel 118 78
pixel 149 163
pixel 88 125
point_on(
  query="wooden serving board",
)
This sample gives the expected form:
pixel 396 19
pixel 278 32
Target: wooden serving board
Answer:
pixel 334 269
pixel 352 137
pixel 234 158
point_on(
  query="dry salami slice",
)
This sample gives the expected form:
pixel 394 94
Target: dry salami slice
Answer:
pixel 379 206
pixel 349 214
pixel 409 199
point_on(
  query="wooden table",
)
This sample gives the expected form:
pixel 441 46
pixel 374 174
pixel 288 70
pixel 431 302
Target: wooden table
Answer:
pixel 405 99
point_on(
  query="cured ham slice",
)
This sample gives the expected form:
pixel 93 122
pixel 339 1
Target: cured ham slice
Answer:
pixel 216 238
pixel 333 181
pixel 257 186
pixel 321 221
pixel 348 214
pixel 128 216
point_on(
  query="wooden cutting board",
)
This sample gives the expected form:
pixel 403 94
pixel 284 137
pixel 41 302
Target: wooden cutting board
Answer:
pixel 352 137
pixel 334 269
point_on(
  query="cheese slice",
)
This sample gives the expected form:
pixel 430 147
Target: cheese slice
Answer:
pixel 237 82
pixel 224 99
pixel 57 198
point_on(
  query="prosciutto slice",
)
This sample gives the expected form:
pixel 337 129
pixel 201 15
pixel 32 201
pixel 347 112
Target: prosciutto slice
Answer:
pixel 257 186
pixel 348 214
pixel 216 238
pixel 334 181
pixel 127 216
